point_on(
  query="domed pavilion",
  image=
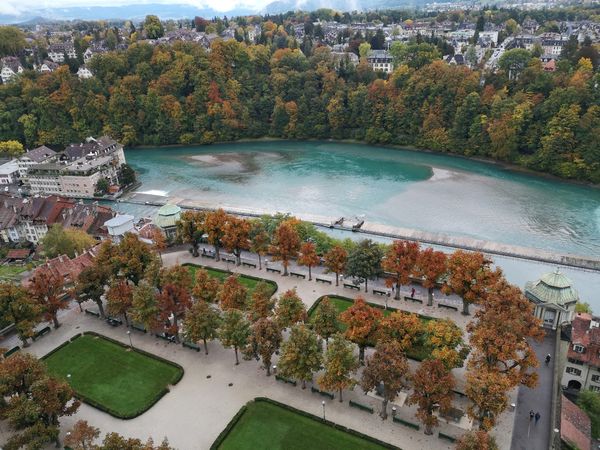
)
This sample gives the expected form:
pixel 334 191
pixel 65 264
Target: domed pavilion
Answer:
pixel 166 219
pixel 554 297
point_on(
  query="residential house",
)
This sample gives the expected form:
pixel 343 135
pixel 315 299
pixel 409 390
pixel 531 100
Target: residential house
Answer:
pixel 11 67
pixel 39 155
pixel 380 60
pixel 9 172
pixel 47 67
pixel 59 52
pixel 84 73
pixel 582 370
pixel 119 225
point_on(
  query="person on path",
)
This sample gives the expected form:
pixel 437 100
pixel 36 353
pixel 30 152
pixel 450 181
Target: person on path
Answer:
pixel 531 415
pixel 548 358
pixel 412 293
pixel 537 417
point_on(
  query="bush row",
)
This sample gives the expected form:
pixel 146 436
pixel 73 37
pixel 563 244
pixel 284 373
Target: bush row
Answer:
pixel 271 283
pixel 232 423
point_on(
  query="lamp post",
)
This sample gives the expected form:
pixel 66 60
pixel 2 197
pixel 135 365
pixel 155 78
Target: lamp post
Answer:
pixel 69 378
pixel 323 404
pixel 129 335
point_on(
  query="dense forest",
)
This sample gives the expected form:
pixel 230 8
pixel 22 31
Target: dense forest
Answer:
pixel 185 94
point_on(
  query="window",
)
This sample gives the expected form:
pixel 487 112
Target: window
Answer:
pixel 596 378
pixel 595 388
pixel 578 348
pixel 573 371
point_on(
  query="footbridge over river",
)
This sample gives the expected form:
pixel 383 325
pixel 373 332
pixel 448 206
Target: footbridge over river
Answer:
pixel 375 229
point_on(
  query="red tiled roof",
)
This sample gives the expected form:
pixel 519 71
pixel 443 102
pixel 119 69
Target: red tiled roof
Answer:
pixel 18 253
pixel 575 425
pixel 586 336
pixel 66 268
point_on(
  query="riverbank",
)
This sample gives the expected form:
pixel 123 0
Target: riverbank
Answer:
pixel 505 165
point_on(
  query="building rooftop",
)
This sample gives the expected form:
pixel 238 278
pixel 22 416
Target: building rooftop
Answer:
pixel 575 425
pixel 167 216
pixel 119 220
pixel 553 287
pixel 40 154
pixel 9 167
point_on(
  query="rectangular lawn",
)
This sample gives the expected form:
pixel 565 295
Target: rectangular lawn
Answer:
pixel 267 426
pixel 123 381
pixel 248 282
pixel 418 352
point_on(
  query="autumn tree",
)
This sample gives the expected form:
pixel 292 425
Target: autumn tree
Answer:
pixel 201 323
pixel 173 301
pixel 206 288
pixel 178 275
pixel 130 258
pixel 386 369
pixel 403 327
pixel 120 299
pixel 47 291
pixel 234 331
pixel 301 355
pixel 232 295
pixel 335 261
pixel 160 242
pixel 445 339
pixel 214 226
pixel 430 267
pixel 308 257
pixel 432 388
pixel 400 260
pixel 153 27
pixel 33 402
pixel 469 276
pixel 364 261
pixel 325 319
pixel 18 307
pixel 285 245
pixel 261 304
pixel 90 285
pixel 259 241
pixel 487 391
pixel 82 436
pixel 190 228
pixel 66 241
pixel 145 309
pixel 362 322
pixel 264 341
pixel 340 366
pixel 290 309
pixel 476 440
pixel 236 237
pixel 114 441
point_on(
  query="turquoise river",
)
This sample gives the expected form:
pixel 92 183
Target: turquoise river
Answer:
pixel 402 188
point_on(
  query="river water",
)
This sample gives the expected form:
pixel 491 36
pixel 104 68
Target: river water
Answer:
pixel 429 192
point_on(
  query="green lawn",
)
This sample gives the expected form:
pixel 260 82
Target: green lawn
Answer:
pixel 124 382
pixel 418 352
pixel 12 272
pixel 248 282
pixel 267 426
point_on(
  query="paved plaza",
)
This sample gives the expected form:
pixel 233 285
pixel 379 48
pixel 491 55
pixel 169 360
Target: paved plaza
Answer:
pixel 213 389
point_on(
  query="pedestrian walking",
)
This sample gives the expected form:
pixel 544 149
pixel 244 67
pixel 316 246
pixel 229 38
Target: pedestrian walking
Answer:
pixel 537 417
pixel 412 293
pixel 531 415
pixel 548 358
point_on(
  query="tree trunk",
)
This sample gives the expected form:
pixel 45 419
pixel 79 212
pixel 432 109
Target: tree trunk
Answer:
pixel 268 367
pixel 465 310
pixel 430 296
pixel 303 384
pixel 80 307
pixel 205 347
pixel 366 285
pixel 160 256
pixel 195 249
pixel 309 274
pixel 55 321
pixel 337 279
pixel 341 399
pixel 259 262
pixel 238 258
pixel 397 296
pixel 217 254
pixel 285 267
pixel 24 341
pixel 237 361
pixel 428 429
pixel 361 354
pixel 100 308
pixel 126 319
pixel 384 410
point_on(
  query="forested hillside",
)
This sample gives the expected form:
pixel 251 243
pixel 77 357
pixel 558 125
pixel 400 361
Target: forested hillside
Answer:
pixel 184 94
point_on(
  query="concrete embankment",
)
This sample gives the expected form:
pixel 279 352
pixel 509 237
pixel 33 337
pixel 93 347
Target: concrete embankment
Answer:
pixel 457 242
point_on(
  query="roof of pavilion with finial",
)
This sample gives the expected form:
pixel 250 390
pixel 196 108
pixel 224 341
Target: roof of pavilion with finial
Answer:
pixel 167 216
pixel 552 288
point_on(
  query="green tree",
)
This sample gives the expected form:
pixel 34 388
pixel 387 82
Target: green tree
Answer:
pixel 589 401
pixel 102 186
pixel 290 309
pixel 153 27
pixel 190 228
pixel 234 331
pixel 301 355
pixel 90 285
pixel 325 319
pixel 364 261
pixel 145 308
pixel 264 341
pixel 12 41
pixel 11 149
pixel 414 55
pixel 514 61
pixel 340 365
pixel 201 322
pixel 18 307
pixel 261 304
pixel 583 307
pixel 127 175
pixel 60 241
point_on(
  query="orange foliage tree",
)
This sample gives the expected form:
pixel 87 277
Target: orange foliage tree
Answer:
pixel 400 260
pixel 205 287
pixel 214 225
pixel 308 257
pixel 46 290
pixel 362 323
pixel 430 266
pixel 290 309
pixel 487 391
pixel 120 298
pixel 402 327
pixel 232 295
pixel 173 302
pixel 236 237
pixel 335 261
pixel 446 342
pixel 286 243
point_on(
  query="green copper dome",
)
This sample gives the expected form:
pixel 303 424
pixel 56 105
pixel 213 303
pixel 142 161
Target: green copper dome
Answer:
pixel 553 287
pixel 167 216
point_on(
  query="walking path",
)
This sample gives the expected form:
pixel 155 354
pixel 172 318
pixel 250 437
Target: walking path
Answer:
pixel 198 407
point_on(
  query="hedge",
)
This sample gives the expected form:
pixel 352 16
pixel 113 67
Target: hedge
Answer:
pixel 360 406
pixel 252 277
pixel 446 437
pixel 54 350
pixel 414 426
pixel 237 417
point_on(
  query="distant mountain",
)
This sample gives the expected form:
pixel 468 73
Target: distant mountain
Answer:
pixel 281 6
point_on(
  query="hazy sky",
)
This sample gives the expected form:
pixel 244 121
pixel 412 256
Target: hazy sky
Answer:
pixel 15 7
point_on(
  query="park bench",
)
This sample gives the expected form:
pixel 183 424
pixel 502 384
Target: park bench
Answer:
pixel 412 299
pixel 92 313
pixel 191 345
pixel 322 280
pixel 41 333
pixel 446 437
pixel 138 327
pixel 113 321
pixel 11 351
pixel 209 255
pixel 285 380
pixel 228 259
pixel 352 286
pixel 298 275
pixel 323 393
pixel 273 269
pixel 248 264
pixel 414 426
pixel 360 406
pixel 444 305
pixel 382 293
pixel 460 394
pixel 165 337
